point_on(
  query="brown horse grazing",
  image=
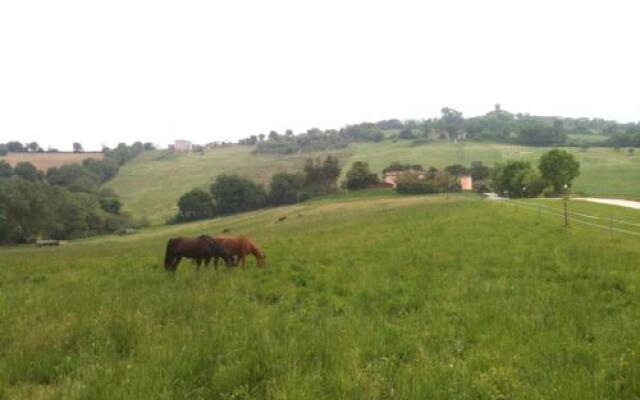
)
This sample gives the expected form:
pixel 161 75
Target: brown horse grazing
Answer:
pixel 239 247
pixel 201 248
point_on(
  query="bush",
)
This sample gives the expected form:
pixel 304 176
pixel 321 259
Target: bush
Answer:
pixel 5 169
pixel 194 205
pixel 434 182
pixel 360 176
pixel 286 188
pixel 406 133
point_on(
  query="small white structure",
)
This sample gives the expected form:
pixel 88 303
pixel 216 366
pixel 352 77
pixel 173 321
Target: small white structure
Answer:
pixel 466 183
pixel 391 177
pixel 182 145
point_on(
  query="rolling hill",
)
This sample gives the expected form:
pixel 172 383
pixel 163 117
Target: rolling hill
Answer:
pixel 151 184
pixel 367 295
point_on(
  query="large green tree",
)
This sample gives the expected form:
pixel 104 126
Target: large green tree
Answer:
pixel 320 176
pixel 233 194
pixel 560 168
pixel 5 169
pixel 28 171
pixel 195 204
pixel 517 179
pixel 286 188
pixel 360 176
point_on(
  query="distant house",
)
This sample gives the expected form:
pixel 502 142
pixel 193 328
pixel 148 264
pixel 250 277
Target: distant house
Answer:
pixel 182 145
pixel 391 177
pixel 466 183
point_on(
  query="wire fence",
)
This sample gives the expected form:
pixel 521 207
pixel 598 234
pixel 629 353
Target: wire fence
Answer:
pixel 604 223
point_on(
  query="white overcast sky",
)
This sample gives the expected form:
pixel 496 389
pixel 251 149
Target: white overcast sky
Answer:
pixel 109 71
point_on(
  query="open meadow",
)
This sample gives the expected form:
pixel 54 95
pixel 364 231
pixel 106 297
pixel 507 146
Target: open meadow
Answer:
pixel 372 296
pixel 152 183
pixel 44 161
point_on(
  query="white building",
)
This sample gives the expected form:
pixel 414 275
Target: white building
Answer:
pixel 183 145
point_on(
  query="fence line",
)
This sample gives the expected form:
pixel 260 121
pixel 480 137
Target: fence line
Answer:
pixel 558 213
pixel 597 217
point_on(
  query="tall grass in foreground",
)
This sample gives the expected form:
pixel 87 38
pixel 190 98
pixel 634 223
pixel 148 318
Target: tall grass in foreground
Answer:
pixel 382 298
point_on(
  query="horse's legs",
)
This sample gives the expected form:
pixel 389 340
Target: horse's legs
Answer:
pixel 242 259
pixel 198 262
pixel 207 260
pixel 176 261
pixel 215 262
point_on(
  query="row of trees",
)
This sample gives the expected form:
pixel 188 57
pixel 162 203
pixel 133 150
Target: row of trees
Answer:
pixel 230 194
pixel 33 147
pixel 556 169
pixel 497 125
pixel 18 147
pixel 36 209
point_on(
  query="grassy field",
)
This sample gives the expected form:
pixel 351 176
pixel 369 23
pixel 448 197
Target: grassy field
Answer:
pixel 605 172
pixel 151 184
pixel 367 296
pixel 588 139
pixel 44 161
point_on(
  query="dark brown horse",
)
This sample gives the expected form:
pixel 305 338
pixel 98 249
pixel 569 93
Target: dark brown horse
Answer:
pixel 201 248
pixel 239 247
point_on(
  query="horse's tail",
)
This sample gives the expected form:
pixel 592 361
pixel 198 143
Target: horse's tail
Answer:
pixel 168 255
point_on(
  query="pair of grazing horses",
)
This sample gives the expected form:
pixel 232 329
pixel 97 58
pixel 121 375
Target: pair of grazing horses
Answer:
pixel 203 248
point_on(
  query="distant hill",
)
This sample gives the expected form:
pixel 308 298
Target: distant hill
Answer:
pixel 151 183
pixel 44 161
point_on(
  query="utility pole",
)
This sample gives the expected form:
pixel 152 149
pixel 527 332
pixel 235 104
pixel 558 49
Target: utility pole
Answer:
pixel 566 211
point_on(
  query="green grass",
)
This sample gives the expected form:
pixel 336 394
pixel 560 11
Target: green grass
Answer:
pixel 588 139
pixel 152 183
pixel 371 297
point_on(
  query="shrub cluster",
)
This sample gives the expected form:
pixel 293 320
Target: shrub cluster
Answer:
pixel 433 181
pixel 230 194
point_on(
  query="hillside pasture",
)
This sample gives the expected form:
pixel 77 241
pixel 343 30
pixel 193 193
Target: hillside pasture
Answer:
pixel 151 184
pixel 371 297
pixel 604 171
pixel 44 161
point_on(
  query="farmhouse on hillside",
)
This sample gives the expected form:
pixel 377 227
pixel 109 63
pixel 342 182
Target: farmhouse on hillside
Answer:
pixel 391 177
pixel 182 145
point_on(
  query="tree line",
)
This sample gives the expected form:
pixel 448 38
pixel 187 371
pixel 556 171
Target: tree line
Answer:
pixel 230 194
pixel 64 202
pixel 497 125
pixel 15 146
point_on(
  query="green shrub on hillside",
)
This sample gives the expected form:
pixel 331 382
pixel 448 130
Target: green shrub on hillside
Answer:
pixel 195 205
pixel 286 188
pixel 360 176
pixel 233 194
pixel 433 182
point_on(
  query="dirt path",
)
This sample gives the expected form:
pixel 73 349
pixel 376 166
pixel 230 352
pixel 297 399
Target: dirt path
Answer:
pixel 613 202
